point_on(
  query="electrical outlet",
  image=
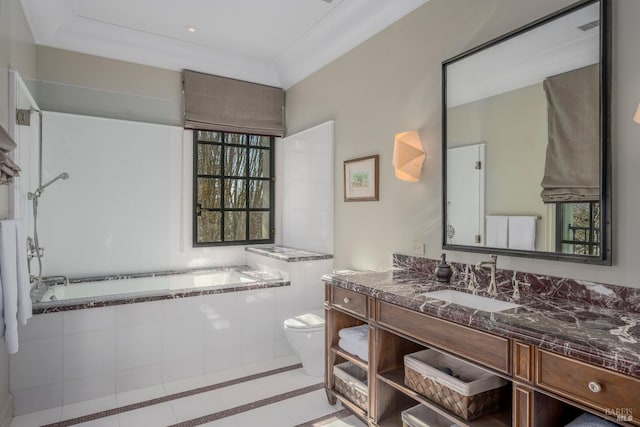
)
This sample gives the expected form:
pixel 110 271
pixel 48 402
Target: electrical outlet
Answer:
pixel 417 248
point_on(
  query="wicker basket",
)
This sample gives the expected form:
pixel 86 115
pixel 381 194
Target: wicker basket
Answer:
pixel 351 382
pixel 476 393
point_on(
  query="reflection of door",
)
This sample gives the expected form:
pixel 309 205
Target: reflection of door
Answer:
pixel 465 195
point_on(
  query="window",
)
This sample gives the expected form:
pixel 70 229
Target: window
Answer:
pixel 578 228
pixel 233 188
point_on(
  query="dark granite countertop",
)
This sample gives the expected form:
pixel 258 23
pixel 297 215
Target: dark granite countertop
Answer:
pixel 599 335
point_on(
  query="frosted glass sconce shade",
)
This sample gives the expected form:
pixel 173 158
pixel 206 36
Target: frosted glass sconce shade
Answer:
pixel 636 118
pixel 408 156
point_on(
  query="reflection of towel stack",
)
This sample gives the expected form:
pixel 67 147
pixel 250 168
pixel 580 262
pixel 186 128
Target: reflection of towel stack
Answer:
pixel 355 340
pixel 513 232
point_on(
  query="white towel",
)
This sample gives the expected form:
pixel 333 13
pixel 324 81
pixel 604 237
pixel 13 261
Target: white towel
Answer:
pixel 522 232
pixel 25 310
pixel 588 420
pixel 355 331
pixel 9 275
pixel 15 301
pixel 497 231
pixel 357 347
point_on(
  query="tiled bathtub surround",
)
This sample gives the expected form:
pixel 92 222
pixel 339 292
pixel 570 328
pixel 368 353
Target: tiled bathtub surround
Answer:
pixel 77 355
pixel 109 345
pixel 595 333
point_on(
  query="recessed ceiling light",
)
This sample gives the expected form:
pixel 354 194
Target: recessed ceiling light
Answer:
pixel 190 28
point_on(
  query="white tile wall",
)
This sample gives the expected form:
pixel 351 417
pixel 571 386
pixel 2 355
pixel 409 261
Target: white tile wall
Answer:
pixel 154 181
pixel 138 346
pixel 38 363
pixel 307 188
pixel 37 398
pixel 89 354
pixel 72 356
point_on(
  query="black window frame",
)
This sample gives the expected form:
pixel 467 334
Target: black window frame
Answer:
pixel 196 209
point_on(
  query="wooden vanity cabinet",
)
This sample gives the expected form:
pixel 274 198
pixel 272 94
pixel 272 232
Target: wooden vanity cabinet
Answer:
pixel 547 389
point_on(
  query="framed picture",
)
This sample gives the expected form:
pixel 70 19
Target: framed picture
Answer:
pixel 361 179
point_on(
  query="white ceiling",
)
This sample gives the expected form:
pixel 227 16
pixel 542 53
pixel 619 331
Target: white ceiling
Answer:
pixel 548 50
pixel 275 42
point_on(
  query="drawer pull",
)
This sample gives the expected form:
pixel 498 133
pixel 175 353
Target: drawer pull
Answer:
pixel 346 300
pixel 595 387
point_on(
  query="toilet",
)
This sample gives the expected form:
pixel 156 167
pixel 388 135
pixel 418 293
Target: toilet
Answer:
pixel 305 333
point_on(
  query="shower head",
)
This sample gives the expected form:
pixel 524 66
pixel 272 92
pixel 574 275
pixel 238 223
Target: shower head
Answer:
pixel 40 189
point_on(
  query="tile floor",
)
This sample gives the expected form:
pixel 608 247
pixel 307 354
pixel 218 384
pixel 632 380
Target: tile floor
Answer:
pixel 270 394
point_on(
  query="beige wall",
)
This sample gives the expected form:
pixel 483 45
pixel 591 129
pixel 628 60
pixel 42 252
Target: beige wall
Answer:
pixel 117 83
pixel 514 126
pixel 391 83
pixel 17 52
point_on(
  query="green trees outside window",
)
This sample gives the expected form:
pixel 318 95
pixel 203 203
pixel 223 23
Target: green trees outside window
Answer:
pixel 233 188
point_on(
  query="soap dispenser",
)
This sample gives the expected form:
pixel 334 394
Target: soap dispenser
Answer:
pixel 443 270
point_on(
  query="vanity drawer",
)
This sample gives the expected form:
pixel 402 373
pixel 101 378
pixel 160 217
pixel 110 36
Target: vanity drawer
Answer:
pixel 349 301
pixel 484 348
pixel 590 385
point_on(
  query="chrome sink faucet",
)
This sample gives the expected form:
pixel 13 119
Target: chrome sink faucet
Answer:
pixel 493 260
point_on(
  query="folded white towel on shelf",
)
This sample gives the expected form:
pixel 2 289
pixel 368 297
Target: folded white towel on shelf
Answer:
pixel 16 303
pixel 589 420
pixel 359 347
pixel 355 331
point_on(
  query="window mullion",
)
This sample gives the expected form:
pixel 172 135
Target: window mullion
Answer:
pixel 223 156
pixel 248 187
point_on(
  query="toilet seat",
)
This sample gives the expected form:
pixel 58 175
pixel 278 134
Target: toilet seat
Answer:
pixel 312 321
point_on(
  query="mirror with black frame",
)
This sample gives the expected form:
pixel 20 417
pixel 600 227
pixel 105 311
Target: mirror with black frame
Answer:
pixel 526 140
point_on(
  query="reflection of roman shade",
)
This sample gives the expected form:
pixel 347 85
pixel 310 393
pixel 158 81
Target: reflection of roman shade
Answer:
pixel 572 165
pixel 223 104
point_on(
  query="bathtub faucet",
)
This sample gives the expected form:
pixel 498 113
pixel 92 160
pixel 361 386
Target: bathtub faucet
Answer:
pixel 65 279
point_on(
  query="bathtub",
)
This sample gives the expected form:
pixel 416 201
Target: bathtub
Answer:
pixel 99 291
pixel 113 334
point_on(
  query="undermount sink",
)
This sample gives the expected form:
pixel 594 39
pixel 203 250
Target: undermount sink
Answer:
pixel 472 301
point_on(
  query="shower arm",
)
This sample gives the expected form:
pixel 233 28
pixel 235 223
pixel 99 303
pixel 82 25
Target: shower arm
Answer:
pixel 38 191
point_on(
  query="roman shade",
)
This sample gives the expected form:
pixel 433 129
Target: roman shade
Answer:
pixel 228 105
pixel 572 165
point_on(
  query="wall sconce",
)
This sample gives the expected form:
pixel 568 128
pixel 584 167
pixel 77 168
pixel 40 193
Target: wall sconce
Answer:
pixel 408 156
pixel 636 118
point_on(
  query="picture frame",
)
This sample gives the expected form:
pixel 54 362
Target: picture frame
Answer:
pixel 361 179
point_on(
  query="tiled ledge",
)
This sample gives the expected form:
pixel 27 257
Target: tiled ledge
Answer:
pixel 286 254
